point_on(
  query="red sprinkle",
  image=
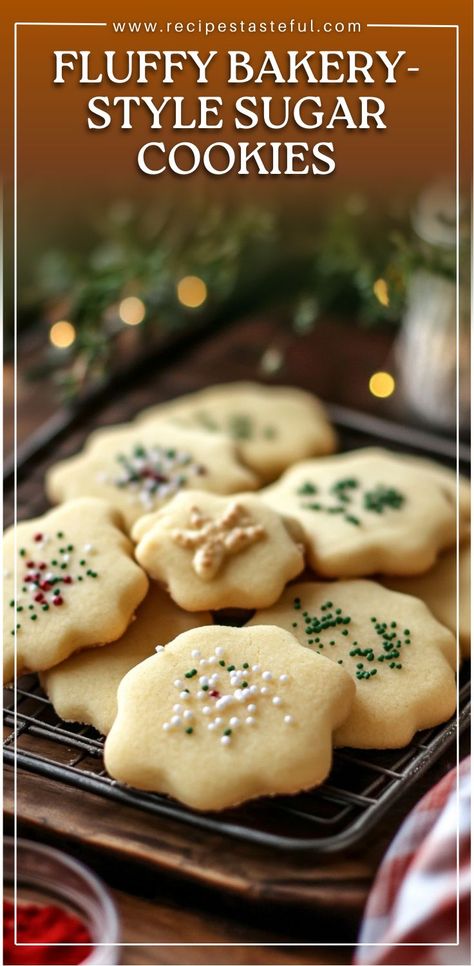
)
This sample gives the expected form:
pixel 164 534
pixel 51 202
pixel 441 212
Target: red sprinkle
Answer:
pixel 38 537
pixel 39 597
pixel 214 694
pixel 43 924
pixel 67 579
pixel 30 563
pixel 45 585
pixel 42 566
pixel 57 601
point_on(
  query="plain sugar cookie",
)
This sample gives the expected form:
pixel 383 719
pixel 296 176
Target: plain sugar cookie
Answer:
pixel 401 659
pixel 213 552
pixel 272 426
pixel 77 584
pixel 366 512
pixel 226 714
pixel 84 688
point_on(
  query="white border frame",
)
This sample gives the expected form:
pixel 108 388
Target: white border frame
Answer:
pixel 17 24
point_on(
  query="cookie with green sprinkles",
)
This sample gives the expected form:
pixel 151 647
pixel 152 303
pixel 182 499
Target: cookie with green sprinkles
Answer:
pixel 70 581
pixel 137 469
pixel 226 714
pixel 214 552
pixel 84 687
pixel 272 426
pixel 400 657
pixel 366 512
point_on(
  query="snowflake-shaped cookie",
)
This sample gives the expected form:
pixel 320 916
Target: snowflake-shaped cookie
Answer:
pixel 366 512
pixel 272 426
pixel 401 659
pixel 70 582
pixel 213 552
pixel 139 468
pixel 84 687
pixel 225 714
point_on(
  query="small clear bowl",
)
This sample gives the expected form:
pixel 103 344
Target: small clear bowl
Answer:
pixel 45 875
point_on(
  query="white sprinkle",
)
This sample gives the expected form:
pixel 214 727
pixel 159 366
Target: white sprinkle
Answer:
pixel 253 689
pixel 159 648
pixel 214 679
pixel 283 678
pixel 204 681
pixel 178 684
pixel 212 659
pixel 218 721
pixel 66 558
pixel 276 700
pixel 288 719
pixel 234 722
pixel 225 740
pixel 250 720
pixel 219 651
pixel 195 653
pixel 234 681
pixel 263 690
pixel 206 709
pixel 201 695
pixel 211 726
pixel 175 720
pixel 184 695
pixel 240 694
pixel 88 548
pixel 203 662
pixel 166 726
pixel 256 668
pixel 251 708
pixel 223 702
pixel 177 708
pixel 267 675
pixel 188 714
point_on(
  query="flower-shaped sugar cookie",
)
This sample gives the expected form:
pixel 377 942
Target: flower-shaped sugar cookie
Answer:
pixel 401 659
pixel 138 468
pixel 76 584
pixel 213 552
pixel 84 688
pixel 366 512
pixel 225 714
pixel 273 426
pixel 437 588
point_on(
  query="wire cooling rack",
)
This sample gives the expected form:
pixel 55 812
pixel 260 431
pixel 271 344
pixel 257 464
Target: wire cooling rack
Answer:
pixel 360 788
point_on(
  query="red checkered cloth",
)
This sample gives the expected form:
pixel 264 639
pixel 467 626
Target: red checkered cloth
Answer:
pixel 414 897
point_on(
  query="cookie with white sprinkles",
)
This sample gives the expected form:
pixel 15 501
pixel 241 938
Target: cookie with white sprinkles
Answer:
pixel 70 582
pixel 84 688
pixel 139 468
pixel 367 512
pixel 401 659
pixel 226 714
pixel 214 552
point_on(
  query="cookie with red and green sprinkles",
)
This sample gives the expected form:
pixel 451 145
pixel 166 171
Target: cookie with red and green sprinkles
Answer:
pixel 84 687
pixel 400 657
pixel 366 512
pixel 137 469
pixel 226 714
pixel 70 581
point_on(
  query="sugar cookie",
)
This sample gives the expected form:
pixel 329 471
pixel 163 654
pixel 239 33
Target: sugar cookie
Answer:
pixel 84 688
pixel 401 658
pixel 138 468
pixel 366 512
pixel 77 584
pixel 225 714
pixel 273 426
pixel 212 552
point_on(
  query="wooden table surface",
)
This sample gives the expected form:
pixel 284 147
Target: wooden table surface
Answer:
pixel 173 905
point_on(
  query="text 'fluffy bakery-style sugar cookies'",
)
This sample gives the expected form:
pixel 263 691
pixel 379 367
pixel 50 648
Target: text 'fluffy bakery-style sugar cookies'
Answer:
pixel 401 659
pixel 138 468
pixel 366 512
pixel 225 714
pixel 77 584
pixel 84 688
pixel 437 588
pixel 213 552
pixel 273 426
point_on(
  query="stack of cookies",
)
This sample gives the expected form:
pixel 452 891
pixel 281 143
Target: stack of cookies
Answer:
pixel 226 599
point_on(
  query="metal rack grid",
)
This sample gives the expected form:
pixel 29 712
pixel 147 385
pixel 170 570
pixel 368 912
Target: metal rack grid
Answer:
pixel 360 788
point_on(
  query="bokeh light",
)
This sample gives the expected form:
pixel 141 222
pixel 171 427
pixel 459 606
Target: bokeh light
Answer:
pixel 191 291
pixel 132 310
pixel 62 334
pixel 382 384
pixel 380 290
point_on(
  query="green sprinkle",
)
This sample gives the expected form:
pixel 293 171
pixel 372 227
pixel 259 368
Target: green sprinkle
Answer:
pixel 32 617
pixel 189 731
pixel 191 674
pixel 12 603
pixel 60 534
pixel 245 666
pixel 22 552
pixel 222 663
pixel 45 607
pixel 244 684
pixel 231 667
pixel 205 687
pixel 228 732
